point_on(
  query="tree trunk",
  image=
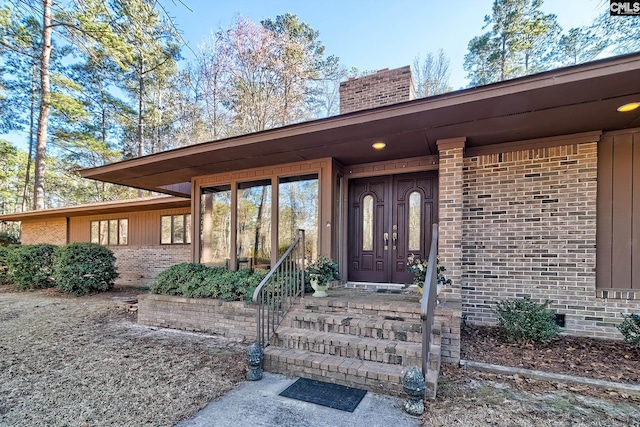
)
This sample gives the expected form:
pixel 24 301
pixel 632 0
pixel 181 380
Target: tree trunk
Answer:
pixel 32 113
pixel 45 99
pixel 141 114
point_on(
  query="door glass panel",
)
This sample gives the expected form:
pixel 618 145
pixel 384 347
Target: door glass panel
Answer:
pixel 367 223
pixel 254 223
pixel 298 209
pixel 215 225
pixel 415 221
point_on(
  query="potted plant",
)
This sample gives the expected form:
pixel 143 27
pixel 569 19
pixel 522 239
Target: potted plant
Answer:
pixel 418 267
pixel 321 272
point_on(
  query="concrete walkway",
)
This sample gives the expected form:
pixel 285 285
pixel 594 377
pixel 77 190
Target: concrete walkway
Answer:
pixel 257 403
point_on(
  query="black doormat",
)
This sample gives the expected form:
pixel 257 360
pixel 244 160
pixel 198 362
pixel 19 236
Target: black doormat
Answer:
pixel 332 395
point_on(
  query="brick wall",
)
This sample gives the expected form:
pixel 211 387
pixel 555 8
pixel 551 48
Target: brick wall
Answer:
pixel 235 320
pixel 139 265
pixel 529 228
pixel 52 231
pixel 383 88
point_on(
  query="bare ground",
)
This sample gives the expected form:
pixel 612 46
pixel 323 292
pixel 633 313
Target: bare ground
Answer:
pixel 84 362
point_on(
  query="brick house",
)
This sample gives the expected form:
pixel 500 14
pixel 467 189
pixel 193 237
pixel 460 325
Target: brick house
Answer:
pixel 146 235
pixel 531 181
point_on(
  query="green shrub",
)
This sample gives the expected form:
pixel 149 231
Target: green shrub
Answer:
pixel 7 239
pixel 630 329
pixel 199 281
pixel 4 266
pixel 84 268
pixel 525 321
pixel 30 266
pixel 172 279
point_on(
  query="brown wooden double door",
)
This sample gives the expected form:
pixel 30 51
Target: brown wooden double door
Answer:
pixel 389 218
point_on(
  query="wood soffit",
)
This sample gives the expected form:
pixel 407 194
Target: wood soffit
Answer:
pixel 122 206
pixel 531 110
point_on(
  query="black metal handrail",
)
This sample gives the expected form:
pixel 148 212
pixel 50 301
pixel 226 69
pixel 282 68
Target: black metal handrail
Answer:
pixel 280 287
pixel 429 296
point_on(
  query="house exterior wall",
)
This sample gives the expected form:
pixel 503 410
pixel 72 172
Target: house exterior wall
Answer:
pixel 383 88
pixel 138 265
pixel 53 230
pixel 529 228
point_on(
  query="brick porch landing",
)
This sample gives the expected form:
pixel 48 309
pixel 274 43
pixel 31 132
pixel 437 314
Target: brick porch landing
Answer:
pixel 363 339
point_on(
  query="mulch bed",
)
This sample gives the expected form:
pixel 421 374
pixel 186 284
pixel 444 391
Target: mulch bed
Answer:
pixel 580 356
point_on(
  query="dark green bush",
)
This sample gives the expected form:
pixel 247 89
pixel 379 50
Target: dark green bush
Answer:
pixel 524 321
pixel 4 266
pixel 200 281
pixel 630 329
pixel 175 277
pixel 31 266
pixel 84 268
pixel 7 239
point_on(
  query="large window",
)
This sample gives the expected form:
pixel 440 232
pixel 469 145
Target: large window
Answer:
pixel 175 229
pixel 110 231
pixel 215 225
pixel 253 243
pixel 298 209
pixel 238 222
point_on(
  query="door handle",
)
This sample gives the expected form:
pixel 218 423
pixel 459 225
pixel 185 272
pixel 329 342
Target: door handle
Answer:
pixel 395 240
pixel 386 241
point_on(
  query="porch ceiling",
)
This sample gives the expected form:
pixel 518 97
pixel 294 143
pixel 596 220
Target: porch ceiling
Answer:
pixel 565 101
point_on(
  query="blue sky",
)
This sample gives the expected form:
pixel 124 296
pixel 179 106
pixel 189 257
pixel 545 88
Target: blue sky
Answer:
pixel 374 34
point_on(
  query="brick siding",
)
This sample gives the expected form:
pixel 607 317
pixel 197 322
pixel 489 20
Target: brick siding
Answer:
pixel 383 88
pixel 52 231
pixel 529 228
pixel 139 265
pixel 235 320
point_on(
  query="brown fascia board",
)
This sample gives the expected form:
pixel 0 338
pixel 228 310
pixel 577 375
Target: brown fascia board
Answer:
pixel 551 78
pixel 101 208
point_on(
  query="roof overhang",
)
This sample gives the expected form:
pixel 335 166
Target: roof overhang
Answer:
pixel 570 100
pixel 120 206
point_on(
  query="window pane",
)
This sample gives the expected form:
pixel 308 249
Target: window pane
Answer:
pixel 215 225
pixel 367 223
pixel 298 209
pixel 95 232
pixel 104 232
pixel 415 221
pixel 165 230
pixel 254 223
pixel 187 228
pixel 178 229
pixel 124 231
pixel 113 231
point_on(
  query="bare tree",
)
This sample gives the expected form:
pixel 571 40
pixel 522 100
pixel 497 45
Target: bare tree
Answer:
pixel 431 74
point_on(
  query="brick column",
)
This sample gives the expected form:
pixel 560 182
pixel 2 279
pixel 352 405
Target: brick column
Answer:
pixel 450 213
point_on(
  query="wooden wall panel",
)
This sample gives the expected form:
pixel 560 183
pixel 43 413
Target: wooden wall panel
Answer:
pixel 144 226
pixel 618 241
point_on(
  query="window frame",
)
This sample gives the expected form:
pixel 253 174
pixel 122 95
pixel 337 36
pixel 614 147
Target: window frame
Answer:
pixel 186 231
pixel 106 225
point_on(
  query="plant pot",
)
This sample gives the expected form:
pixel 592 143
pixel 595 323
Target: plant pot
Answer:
pixel 320 290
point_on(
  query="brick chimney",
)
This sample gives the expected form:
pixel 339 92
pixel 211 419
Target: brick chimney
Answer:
pixel 385 87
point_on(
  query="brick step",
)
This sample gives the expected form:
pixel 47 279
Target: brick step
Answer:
pixel 350 346
pixel 385 310
pixel 363 326
pixel 373 376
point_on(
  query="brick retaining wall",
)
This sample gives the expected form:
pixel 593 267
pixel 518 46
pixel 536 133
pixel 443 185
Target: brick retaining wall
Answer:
pixel 235 320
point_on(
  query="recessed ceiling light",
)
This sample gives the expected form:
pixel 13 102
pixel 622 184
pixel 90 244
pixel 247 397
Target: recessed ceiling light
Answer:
pixel 628 107
pixel 379 145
